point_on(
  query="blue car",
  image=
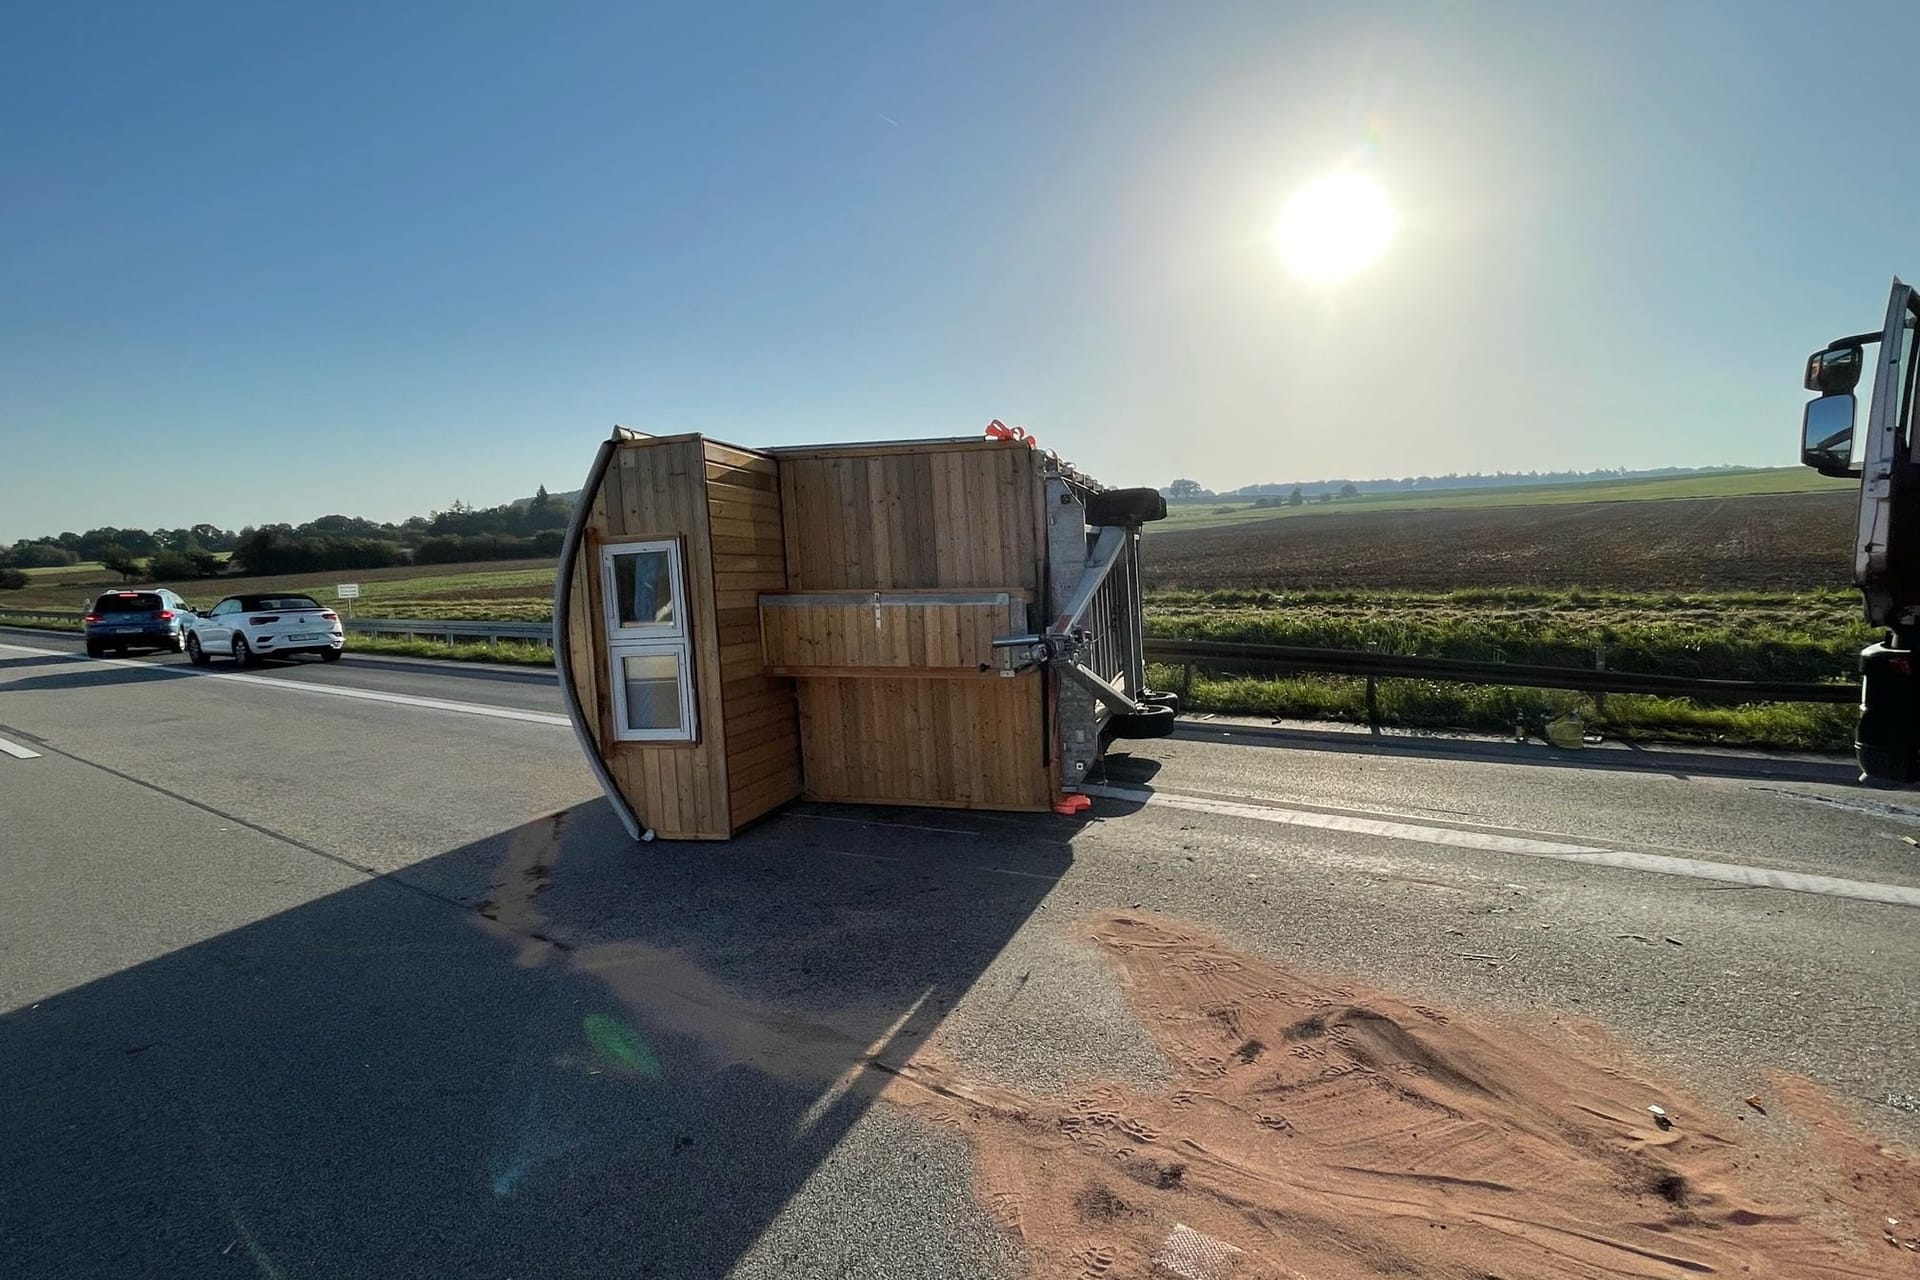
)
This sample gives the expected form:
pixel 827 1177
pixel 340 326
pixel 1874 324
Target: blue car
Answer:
pixel 124 620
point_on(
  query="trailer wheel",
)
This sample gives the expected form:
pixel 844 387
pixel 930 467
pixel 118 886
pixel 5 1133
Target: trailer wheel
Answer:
pixel 1148 722
pixel 1126 507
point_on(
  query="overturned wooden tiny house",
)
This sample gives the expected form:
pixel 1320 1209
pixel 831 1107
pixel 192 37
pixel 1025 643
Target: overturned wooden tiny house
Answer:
pixel 933 622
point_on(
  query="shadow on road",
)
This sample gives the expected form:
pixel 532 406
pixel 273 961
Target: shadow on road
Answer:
pixel 548 1053
pixel 1676 762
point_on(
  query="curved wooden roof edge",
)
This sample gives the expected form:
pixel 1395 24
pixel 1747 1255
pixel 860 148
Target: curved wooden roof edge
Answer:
pixel 562 610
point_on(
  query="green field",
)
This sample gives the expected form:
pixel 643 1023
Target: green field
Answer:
pixel 1727 484
pixel 518 590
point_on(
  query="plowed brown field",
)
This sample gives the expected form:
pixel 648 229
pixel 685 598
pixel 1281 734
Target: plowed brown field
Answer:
pixel 1771 542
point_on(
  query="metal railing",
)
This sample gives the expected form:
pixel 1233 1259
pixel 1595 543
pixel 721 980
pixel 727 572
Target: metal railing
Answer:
pixel 1232 657
pixel 1235 658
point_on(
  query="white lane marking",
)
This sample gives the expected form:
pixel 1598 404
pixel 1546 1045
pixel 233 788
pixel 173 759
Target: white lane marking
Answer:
pixel 1591 855
pixel 17 751
pixel 324 690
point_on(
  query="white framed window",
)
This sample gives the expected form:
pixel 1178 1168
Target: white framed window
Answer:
pixel 641 583
pixel 650 661
pixel 652 692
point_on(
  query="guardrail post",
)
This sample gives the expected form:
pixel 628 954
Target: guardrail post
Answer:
pixel 1186 683
pixel 1600 664
pixel 1373 702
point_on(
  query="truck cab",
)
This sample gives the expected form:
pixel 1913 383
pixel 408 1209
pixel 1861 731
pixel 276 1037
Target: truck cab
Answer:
pixel 1886 553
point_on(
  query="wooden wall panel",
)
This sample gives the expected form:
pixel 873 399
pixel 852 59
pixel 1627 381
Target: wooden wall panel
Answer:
pixel 962 516
pixel 946 634
pixel 973 744
pixel 762 756
pixel 657 489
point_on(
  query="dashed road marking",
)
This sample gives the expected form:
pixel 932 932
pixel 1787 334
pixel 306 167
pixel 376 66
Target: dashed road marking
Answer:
pixel 17 751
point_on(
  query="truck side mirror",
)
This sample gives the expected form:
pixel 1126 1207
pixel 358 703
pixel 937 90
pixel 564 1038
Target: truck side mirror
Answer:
pixel 1835 371
pixel 1826 435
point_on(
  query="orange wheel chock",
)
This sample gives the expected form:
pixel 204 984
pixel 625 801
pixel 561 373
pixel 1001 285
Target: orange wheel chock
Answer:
pixel 1070 805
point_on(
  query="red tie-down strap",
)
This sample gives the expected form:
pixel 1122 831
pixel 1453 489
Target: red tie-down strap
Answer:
pixel 998 430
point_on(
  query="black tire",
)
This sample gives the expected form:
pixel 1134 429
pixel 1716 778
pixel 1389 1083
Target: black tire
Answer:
pixel 1154 698
pixel 1126 507
pixel 243 652
pixel 179 644
pixel 95 649
pixel 195 654
pixel 1148 722
pixel 330 655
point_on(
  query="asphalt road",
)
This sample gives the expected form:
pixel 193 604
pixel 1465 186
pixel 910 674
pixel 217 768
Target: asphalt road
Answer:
pixel 305 972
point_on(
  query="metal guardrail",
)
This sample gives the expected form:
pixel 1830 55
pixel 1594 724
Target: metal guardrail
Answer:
pixel 441 629
pixel 1276 659
pixel 1250 659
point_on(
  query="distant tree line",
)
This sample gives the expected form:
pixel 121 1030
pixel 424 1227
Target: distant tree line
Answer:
pixel 462 533
pixel 1324 490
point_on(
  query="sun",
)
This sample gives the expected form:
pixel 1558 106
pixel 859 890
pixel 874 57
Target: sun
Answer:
pixel 1334 226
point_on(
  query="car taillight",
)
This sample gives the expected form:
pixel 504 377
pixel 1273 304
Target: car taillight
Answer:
pixel 165 615
pixel 92 617
pixel 330 615
pixel 263 619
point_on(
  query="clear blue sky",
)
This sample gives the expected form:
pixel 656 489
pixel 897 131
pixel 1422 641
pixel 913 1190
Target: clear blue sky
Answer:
pixel 268 261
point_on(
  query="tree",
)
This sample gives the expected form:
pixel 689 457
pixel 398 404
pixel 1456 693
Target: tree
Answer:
pixel 1295 498
pixel 117 559
pixel 1327 496
pixel 40 555
pixel 1348 491
pixel 171 566
pixel 1184 489
pixel 205 564
pixel 13 579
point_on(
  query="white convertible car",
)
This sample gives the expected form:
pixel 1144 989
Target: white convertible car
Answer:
pixel 249 628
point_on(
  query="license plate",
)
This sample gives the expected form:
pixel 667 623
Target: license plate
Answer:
pixel 124 630
pixel 306 638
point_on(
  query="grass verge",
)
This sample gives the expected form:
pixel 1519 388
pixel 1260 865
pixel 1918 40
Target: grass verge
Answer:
pixel 506 652
pixel 1432 704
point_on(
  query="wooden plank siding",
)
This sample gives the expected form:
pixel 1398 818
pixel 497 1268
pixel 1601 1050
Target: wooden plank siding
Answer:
pixel 947 515
pixel 973 744
pixel 840 633
pixel 762 750
pixel 656 488
pixel 960 518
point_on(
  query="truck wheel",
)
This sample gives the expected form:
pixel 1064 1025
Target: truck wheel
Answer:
pixel 1148 722
pixel 1126 507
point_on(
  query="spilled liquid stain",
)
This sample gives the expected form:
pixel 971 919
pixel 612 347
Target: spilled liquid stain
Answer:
pixel 1324 1130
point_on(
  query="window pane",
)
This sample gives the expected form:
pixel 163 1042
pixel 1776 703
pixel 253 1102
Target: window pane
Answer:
pixel 643 588
pixel 652 683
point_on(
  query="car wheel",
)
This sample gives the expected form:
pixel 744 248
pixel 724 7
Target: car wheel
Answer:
pixel 330 655
pixel 1148 722
pixel 242 652
pixel 195 654
pixel 95 649
pixel 179 644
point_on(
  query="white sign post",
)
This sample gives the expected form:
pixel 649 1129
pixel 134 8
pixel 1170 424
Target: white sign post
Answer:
pixel 348 591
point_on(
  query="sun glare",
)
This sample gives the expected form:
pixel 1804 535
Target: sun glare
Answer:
pixel 1334 226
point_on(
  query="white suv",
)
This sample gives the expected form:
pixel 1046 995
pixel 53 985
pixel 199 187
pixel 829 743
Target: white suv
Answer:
pixel 250 628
